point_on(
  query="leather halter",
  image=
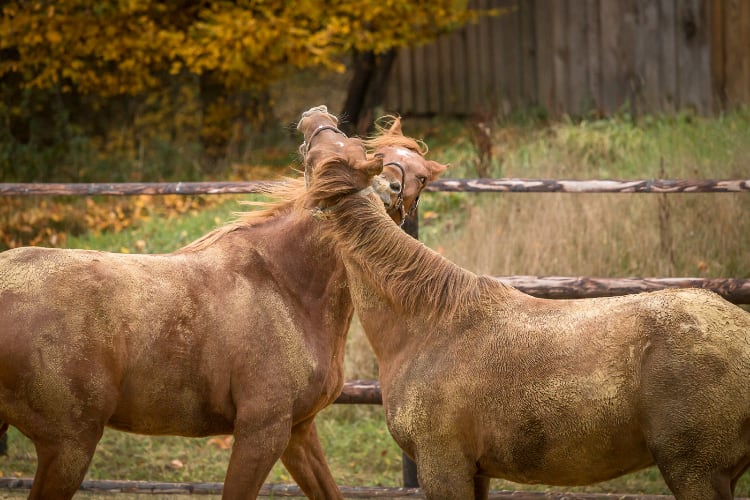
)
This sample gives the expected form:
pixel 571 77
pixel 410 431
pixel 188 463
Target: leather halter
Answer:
pixel 306 145
pixel 400 202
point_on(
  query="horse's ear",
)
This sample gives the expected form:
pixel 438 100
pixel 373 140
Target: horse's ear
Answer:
pixel 395 128
pixel 371 167
pixel 436 169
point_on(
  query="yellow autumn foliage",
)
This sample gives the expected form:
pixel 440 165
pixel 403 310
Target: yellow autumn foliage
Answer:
pixel 127 47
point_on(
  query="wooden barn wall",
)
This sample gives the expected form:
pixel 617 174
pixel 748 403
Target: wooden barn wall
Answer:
pixel 579 57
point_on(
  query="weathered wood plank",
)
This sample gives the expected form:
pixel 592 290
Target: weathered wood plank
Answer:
pixel 507 45
pixel 737 52
pixel 527 54
pixel 419 74
pixel 591 186
pixel 448 99
pixel 360 392
pixel 613 84
pixel 474 65
pixel 292 490
pixel 132 188
pixel 648 54
pixel 406 81
pixel 544 12
pixel 460 70
pixel 485 99
pixel 693 56
pixel 578 26
pixel 668 75
pixel 718 54
pixel 432 88
pixel 736 291
pixel 561 57
pixel 594 56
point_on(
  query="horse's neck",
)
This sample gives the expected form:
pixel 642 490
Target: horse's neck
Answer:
pixel 376 254
pixel 385 328
pixel 304 268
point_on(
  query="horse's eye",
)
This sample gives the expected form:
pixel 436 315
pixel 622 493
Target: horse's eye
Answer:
pixel 422 179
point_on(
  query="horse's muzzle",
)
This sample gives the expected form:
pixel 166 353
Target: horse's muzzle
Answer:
pixel 385 190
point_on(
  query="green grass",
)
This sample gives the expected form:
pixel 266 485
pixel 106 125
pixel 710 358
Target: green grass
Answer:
pixel 359 449
pixel 604 235
pixel 163 231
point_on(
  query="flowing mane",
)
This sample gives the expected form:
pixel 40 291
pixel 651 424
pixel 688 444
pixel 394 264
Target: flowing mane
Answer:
pixel 425 282
pixel 389 134
pixel 284 197
pixel 289 194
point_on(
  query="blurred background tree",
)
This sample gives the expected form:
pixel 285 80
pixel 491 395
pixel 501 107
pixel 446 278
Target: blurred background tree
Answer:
pixel 87 84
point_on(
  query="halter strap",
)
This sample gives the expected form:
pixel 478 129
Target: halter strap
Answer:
pixel 306 145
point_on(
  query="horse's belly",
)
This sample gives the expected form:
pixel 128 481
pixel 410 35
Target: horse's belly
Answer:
pixel 581 461
pixel 184 421
pixel 179 404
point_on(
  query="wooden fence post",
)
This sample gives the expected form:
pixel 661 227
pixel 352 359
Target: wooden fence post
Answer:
pixel 408 467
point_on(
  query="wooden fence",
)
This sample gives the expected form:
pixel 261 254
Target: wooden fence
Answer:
pixel 578 57
pixel 368 391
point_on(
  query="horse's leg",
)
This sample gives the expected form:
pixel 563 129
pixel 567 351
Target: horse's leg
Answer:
pixel 306 462
pixel 688 457
pixel 481 487
pixel 445 474
pixel 693 485
pixel 258 443
pixel 62 464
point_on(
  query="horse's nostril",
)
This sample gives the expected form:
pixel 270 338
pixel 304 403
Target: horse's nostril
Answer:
pixel 395 185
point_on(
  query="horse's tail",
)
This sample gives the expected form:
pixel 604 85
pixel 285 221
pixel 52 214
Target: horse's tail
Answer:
pixel 3 427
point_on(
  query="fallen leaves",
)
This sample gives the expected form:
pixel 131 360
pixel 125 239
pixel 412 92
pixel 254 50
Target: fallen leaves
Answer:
pixel 222 442
pixel 49 221
pixel 176 464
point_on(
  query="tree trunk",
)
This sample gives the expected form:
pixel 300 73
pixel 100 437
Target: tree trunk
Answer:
pixel 366 91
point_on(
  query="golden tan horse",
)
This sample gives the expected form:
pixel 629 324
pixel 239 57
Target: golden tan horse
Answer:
pixel 240 332
pixel 480 380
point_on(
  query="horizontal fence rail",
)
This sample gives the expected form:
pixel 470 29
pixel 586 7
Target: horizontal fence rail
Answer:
pixel 131 188
pixel 590 186
pixel 292 490
pixel 734 290
pixel 507 185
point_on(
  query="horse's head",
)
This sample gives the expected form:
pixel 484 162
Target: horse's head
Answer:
pixel 403 163
pixel 337 165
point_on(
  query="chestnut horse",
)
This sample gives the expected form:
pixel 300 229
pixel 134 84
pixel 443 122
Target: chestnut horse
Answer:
pixel 240 332
pixel 480 380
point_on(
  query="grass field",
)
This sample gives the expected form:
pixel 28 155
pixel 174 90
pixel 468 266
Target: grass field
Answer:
pixel 554 234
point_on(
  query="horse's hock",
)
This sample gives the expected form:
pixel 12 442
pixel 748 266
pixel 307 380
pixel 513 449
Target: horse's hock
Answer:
pixel 367 392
